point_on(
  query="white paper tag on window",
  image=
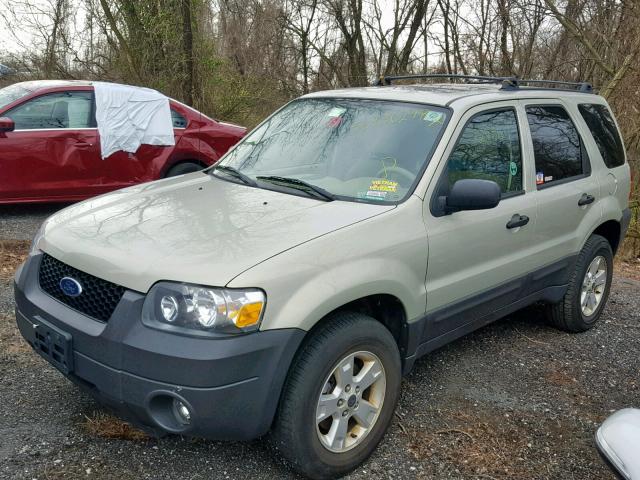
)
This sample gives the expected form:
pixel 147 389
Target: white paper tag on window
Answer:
pixel 336 112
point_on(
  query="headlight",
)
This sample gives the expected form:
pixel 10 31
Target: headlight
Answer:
pixel 36 239
pixel 201 310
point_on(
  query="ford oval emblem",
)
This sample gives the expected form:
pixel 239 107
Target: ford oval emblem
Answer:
pixel 70 287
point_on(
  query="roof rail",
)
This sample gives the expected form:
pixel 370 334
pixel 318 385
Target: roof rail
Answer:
pixel 514 83
pixel 508 83
pixel 387 80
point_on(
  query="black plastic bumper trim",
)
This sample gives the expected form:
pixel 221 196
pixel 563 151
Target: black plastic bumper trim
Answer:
pixel 233 384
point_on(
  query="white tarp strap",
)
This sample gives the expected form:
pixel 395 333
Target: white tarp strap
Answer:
pixel 128 117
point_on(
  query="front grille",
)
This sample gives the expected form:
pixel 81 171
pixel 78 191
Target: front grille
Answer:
pixel 98 299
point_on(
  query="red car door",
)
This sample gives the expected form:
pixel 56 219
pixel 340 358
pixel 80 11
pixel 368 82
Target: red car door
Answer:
pixel 54 151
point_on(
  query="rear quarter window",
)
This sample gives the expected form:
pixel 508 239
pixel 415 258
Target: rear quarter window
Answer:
pixel 604 132
pixel 178 120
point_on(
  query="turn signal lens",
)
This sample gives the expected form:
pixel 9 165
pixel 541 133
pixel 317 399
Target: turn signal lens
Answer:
pixel 248 315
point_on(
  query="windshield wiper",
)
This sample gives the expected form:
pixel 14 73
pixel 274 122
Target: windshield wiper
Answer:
pixel 299 185
pixel 246 179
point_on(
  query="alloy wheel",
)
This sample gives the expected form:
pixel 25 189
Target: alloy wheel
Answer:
pixel 350 401
pixel 593 286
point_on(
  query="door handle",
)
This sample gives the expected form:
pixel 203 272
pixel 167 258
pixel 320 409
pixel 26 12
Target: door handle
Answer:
pixel 518 221
pixel 83 144
pixel 586 199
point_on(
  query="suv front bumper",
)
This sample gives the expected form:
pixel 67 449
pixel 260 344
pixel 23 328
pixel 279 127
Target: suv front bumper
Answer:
pixel 230 385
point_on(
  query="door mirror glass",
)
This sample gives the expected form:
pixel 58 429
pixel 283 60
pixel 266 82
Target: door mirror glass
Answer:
pixel 6 125
pixel 472 194
pixel 617 440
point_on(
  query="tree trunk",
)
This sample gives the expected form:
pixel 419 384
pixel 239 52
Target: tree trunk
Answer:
pixel 187 45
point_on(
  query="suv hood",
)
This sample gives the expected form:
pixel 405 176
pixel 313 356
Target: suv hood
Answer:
pixel 195 229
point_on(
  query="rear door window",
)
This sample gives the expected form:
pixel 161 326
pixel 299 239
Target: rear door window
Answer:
pixel 605 133
pixel 489 149
pixel 71 110
pixel 558 149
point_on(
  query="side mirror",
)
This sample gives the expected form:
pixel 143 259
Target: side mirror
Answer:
pixel 6 125
pixel 472 194
pixel 618 439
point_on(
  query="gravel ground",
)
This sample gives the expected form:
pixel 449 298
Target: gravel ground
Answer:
pixel 516 399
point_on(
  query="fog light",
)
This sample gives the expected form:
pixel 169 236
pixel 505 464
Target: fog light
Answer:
pixel 182 412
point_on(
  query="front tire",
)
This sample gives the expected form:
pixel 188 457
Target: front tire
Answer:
pixel 589 287
pixel 339 397
pixel 183 168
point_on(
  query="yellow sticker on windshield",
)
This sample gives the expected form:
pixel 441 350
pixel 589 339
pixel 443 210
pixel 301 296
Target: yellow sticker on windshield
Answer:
pixel 382 185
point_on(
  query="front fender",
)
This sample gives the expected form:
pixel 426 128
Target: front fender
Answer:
pixel 386 254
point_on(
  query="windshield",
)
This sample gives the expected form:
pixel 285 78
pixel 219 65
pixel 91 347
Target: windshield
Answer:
pixel 354 149
pixel 11 94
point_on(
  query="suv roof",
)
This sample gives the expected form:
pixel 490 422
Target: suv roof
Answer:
pixel 445 94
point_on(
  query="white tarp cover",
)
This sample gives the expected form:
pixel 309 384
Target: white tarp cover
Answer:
pixel 128 117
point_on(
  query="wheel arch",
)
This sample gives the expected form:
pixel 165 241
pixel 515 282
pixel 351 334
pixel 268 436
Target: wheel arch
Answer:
pixel 386 308
pixel 611 230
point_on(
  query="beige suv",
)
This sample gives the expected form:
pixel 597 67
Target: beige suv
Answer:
pixel 289 288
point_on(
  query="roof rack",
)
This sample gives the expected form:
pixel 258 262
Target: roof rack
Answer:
pixel 515 83
pixel 387 80
pixel 508 83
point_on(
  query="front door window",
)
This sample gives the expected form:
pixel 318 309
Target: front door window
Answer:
pixel 489 149
pixel 72 110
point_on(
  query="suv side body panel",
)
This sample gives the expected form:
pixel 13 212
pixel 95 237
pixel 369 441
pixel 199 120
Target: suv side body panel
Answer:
pixel 615 183
pixel 563 225
pixel 465 286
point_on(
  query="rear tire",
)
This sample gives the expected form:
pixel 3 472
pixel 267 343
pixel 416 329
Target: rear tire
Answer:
pixel 183 168
pixel 326 403
pixel 589 287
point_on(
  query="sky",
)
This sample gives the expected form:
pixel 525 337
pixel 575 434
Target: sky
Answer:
pixel 27 12
pixel 9 42
pixel 12 45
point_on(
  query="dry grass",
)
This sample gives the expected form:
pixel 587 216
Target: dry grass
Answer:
pixel 103 425
pixel 12 254
pixel 87 468
pixel 560 378
pixel 477 445
pixel 12 345
pixel 628 268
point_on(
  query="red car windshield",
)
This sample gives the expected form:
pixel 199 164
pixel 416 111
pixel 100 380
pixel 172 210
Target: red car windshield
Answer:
pixel 11 94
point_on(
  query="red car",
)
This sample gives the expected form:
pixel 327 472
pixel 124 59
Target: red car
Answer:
pixel 50 146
